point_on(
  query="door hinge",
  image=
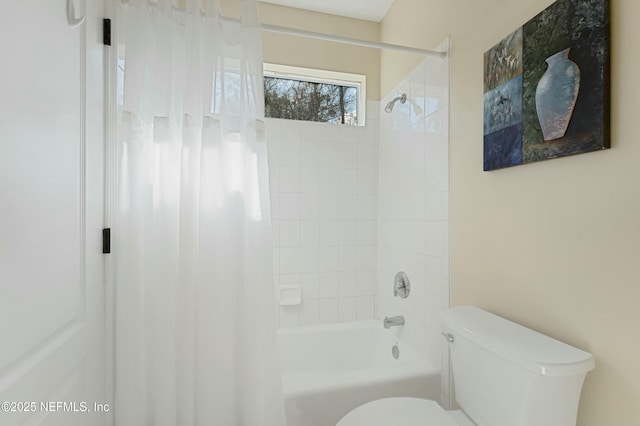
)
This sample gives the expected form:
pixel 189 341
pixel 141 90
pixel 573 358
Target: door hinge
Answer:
pixel 106 240
pixel 106 32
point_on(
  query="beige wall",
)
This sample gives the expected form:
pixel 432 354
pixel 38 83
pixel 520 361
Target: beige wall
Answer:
pixel 554 245
pixel 303 52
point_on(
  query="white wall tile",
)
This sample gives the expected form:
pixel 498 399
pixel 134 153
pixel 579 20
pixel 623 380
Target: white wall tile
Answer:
pixel 274 178
pixel 272 129
pixel 349 134
pixel 435 123
pixel 275 233
pixel 309 233
pixel 347 309
pixel 323 185
pixel 328 311
pixel 332 132
pixel 417 167
pixel 309 259
pixel 347 207
pixel 368 135
pixel 290 152
pixel 436 205
pixel 327 259
pixel 289 279
pixel 348 155
pixel 289 179
pixel 348 258
pixel 289 206
pixel 413 210
pixel 290 129
pixel 289 233
pixel 309 152
pixel 347 284
pixel 310 130
pixel 328 283
pixel 348 233
pixel 366 232
pixel 329 206
pixel 289 316
pixel 289 260
pixel 367 181
pixel 365 307
pixel 309 180
pixel 326 156
pixel 275 205
pixel 309 206
pixel 328 232
pixel 310 283
pixel 367 157
pixel 273 153
pixel 366 258
pixel 329 180
pixel 347 181
pixel 436 270
pixel 276 261
pixel 366 283
pixel 436 238
pixel 372 110
pixel 310 312
pixel 367 207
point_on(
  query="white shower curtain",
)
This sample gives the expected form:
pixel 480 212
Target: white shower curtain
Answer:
pixel 195 308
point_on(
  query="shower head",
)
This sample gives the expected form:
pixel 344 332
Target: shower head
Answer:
pixel 390 105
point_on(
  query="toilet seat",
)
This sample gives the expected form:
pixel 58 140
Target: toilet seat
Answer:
pixel 400 412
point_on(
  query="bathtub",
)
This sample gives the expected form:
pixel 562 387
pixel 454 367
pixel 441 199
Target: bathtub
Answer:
pixel 328 370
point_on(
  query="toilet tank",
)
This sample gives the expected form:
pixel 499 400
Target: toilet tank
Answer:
pixel 508 375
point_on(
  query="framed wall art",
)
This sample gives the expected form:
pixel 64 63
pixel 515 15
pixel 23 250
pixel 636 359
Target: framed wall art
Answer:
pixel 546 86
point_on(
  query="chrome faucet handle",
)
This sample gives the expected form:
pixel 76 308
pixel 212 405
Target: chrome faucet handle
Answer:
pixel 401 285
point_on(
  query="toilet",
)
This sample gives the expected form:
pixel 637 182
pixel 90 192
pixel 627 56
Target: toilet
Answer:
pixel 504 375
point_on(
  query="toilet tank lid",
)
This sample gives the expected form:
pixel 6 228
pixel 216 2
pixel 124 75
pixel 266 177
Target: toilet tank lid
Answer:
pixel 522 346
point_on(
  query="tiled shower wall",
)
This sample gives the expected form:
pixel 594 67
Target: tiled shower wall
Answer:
pixel 324 186
pixel 414 205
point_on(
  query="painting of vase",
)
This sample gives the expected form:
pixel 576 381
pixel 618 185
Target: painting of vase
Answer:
pixel 546 88
pixel 556 95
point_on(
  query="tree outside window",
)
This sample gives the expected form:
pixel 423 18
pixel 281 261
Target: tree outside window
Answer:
pixel 310 101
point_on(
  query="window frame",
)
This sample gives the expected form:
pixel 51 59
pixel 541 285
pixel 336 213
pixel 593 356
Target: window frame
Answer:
pixel 335 78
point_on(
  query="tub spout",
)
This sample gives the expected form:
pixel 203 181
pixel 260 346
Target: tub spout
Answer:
pixel 393 321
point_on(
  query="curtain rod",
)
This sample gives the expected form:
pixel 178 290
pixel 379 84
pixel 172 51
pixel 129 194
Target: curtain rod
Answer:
pixel 345 40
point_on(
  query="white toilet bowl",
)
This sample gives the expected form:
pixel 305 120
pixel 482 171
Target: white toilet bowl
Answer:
pixel 404 412
pixel 505 375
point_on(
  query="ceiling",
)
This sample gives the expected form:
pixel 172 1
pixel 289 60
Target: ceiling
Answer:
pixel 369 10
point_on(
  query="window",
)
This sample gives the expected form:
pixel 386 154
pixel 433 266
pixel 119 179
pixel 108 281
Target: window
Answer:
pixel 314 95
